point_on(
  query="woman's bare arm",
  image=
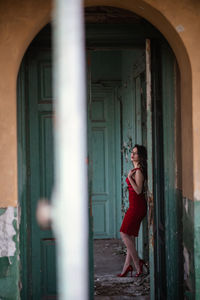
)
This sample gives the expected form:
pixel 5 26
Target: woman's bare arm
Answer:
pixel 137 182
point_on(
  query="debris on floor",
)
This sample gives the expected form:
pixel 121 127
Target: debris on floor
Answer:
pixel 109 256
pixel 127 286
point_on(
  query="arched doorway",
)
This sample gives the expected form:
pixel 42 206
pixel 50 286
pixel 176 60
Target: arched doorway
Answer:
pixel 162 52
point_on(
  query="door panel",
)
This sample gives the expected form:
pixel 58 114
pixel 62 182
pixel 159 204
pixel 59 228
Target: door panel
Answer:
pixel 103 160
pixel 40 135
pixel 46 152
pixel 133 123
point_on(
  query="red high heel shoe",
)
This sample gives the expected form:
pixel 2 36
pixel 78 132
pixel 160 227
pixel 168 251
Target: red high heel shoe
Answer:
pixel 141 264
pixel 128 269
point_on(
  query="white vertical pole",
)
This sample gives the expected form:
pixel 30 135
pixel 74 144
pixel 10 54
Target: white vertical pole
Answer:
pixel 70 199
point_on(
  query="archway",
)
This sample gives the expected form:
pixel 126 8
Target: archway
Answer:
pixel 162 22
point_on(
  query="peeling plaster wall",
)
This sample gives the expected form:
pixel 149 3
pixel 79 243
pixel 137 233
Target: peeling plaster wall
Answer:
pixel 7 231
pixel 9 254
pixel 191 246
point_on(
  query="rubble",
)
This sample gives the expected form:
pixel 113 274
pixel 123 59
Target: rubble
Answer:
pixel 109 256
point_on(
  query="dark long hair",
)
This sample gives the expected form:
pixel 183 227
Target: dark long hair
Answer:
pixel 142 152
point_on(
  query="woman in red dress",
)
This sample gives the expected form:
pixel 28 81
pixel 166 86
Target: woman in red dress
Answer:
pixel 137 210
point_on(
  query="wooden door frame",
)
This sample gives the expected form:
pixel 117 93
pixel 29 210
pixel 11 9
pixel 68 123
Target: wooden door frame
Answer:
pixel 167 225
pixel 172 197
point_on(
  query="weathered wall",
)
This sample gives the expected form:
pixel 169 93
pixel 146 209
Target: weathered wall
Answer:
pixel 178 21
pixel 9 254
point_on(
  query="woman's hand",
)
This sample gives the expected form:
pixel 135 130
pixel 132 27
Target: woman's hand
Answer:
pixel 130 174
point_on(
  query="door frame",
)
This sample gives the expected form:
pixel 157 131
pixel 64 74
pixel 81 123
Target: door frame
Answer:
pixel 167 232
pixel 170 193
pixel 23 182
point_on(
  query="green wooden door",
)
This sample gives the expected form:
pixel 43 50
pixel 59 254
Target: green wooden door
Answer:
pixel 41 175
pixel 104 82
pixel 102 159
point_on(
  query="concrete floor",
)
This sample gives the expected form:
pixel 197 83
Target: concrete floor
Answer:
pixel 109 256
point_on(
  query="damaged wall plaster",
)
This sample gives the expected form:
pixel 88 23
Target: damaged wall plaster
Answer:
pixel 7 232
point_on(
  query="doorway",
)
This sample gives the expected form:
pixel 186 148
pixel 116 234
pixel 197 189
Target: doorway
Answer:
pixel 116 121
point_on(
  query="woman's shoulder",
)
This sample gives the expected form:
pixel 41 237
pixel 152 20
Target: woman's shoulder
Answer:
pixel 139 170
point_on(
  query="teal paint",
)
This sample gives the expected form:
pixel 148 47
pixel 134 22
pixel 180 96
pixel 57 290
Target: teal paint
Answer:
pixel 10 265
pixel 180 257
pixel 118 188
pixel 165 234
pixel 103 160
pixel 105 65
pixel 35 158
pixel 102 157
pixel 173 216
pixel 188 248
pixel 9 284
pixel 191 242
pixel 2 211
pixel 41 163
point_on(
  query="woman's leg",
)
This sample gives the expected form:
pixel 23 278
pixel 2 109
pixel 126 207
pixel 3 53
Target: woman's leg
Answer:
pixel 128 261
pixel 131 251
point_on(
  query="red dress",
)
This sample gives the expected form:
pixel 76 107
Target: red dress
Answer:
pixel 136 212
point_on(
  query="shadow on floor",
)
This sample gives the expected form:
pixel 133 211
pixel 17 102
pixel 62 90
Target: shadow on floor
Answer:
pixel 109 256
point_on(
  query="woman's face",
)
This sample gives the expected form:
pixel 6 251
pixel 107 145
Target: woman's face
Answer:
pixel 134 155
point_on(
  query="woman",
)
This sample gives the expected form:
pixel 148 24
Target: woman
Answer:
pixel 137 210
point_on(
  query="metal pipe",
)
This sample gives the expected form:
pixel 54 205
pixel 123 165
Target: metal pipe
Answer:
pixel 70 196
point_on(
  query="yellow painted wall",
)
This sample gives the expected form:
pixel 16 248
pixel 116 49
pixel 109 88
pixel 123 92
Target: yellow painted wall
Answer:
pixel 178 21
